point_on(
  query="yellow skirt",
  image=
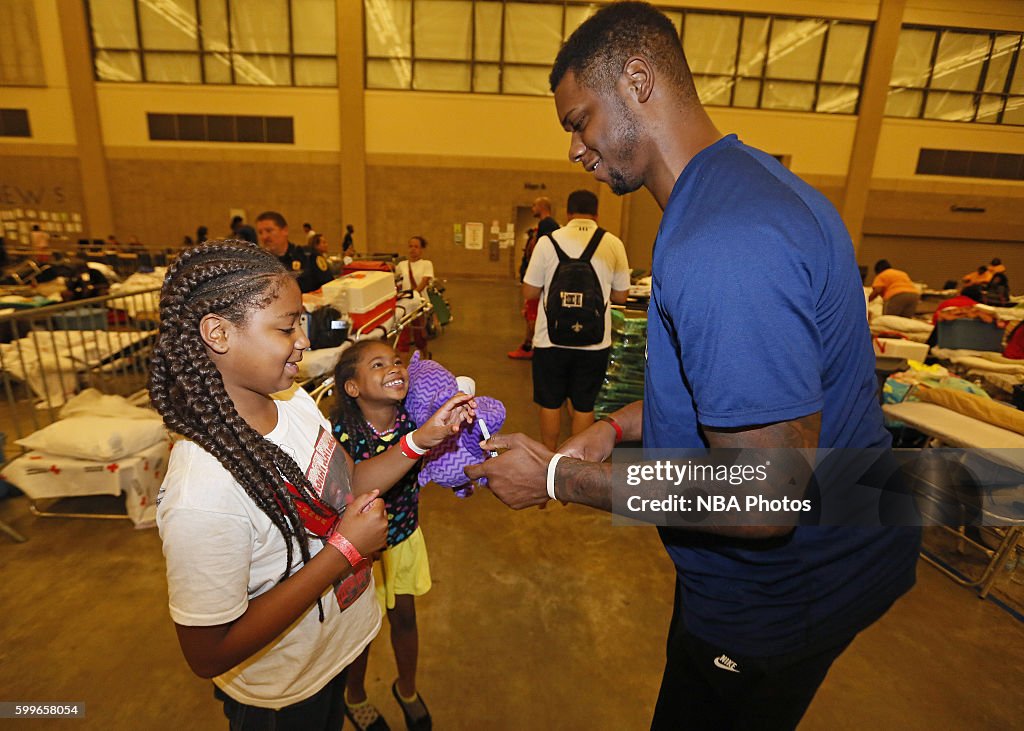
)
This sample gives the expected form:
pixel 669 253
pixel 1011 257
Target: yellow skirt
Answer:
pixel 402 569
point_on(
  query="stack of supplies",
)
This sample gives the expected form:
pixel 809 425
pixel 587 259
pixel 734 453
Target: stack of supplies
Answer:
pixel 624 379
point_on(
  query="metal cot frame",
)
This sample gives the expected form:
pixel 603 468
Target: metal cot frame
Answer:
pixel 111 353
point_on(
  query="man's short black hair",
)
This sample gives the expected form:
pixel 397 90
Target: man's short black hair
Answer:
pixel 582 201
pixel 274 216
pixel 597 51
pixel 881 265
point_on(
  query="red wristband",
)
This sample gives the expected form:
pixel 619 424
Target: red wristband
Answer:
pixel 344 545
pixel 614 425
pixel 409 448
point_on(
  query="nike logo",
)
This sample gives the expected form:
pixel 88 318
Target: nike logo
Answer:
pixel 725 663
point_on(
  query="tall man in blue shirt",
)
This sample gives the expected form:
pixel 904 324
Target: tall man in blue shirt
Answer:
pixel 774 354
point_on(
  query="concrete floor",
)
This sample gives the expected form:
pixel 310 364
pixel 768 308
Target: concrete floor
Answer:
pixel 548 619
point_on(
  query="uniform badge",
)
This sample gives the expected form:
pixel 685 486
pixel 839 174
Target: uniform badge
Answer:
pixel 296 266
pixel 321 263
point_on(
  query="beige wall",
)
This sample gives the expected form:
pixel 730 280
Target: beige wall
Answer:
pixel 485 126
pixel 123 109
pixel 934 260
pixel 161 199
pixel 902 139
pixel 816 144
pixel 851 9
pixel 50 183
pixel 405 200
pixel 49 114
pixel 925 208
pixel 467 125
pixel 49 108
pixel 988 14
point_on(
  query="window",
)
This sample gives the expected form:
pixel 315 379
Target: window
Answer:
pixel 220 128
pixel 21 58
pixel 270 43
pixel 774 62
pixel 958 76
pixel 508 46
pixel 14 123
pixel 967 163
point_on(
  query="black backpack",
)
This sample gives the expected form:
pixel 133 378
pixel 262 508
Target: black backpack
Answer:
pixel 575 303
pixel 327 328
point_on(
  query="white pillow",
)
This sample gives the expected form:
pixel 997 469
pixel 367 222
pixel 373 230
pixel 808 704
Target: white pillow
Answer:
pixel 96 438
pixel 901 324
pixel 91 402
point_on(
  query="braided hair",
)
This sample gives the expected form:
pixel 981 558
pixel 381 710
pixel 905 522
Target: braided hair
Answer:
pixel 346 410
pixel 232 279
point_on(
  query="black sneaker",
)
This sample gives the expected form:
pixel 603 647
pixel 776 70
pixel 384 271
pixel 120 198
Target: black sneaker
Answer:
pixel 421 722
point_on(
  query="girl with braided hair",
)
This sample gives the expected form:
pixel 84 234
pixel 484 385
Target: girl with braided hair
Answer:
pixel 265 524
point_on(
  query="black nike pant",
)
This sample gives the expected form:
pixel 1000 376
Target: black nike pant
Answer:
pixel 708 687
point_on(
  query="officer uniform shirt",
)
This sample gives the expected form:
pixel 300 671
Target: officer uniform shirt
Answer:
pixel 312 270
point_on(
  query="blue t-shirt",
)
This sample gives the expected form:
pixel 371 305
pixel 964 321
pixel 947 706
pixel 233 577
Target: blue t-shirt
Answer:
pixel 757 316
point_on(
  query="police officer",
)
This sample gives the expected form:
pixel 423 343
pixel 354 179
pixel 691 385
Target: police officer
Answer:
pixel 272 230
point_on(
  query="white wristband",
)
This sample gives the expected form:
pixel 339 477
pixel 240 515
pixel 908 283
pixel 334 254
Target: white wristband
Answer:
pixel 414 446
pixel 551 474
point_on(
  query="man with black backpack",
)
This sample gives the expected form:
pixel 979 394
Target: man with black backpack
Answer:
pixel 575 272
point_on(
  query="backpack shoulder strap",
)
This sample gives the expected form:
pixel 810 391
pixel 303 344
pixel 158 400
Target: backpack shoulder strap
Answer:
pixel 562 256
pixel 592 245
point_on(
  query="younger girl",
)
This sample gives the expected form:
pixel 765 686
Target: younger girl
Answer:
pixel 266 567
pixel 368 418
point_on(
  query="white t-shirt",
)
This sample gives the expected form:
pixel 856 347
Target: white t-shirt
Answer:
pixel 222 551
pixel 609 262
pixel 40 239
pixel 422 268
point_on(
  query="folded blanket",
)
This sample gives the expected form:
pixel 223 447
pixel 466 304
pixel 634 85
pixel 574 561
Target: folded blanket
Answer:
pixel 986 410
pixel 900 324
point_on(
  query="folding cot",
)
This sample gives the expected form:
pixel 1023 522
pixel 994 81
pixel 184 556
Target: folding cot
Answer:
pixel 999 502
pixel 52 354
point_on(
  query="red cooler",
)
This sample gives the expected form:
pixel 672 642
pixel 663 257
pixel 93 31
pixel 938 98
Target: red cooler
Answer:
pixel 365 296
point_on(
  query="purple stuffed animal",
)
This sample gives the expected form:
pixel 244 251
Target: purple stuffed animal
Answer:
pixel 430 385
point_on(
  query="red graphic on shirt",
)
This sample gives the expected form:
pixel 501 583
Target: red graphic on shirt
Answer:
pixel 328 472
pixel 328 476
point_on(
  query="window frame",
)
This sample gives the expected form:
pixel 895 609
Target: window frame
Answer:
pixel 202 54
pixel 979 93
pixel 503 65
